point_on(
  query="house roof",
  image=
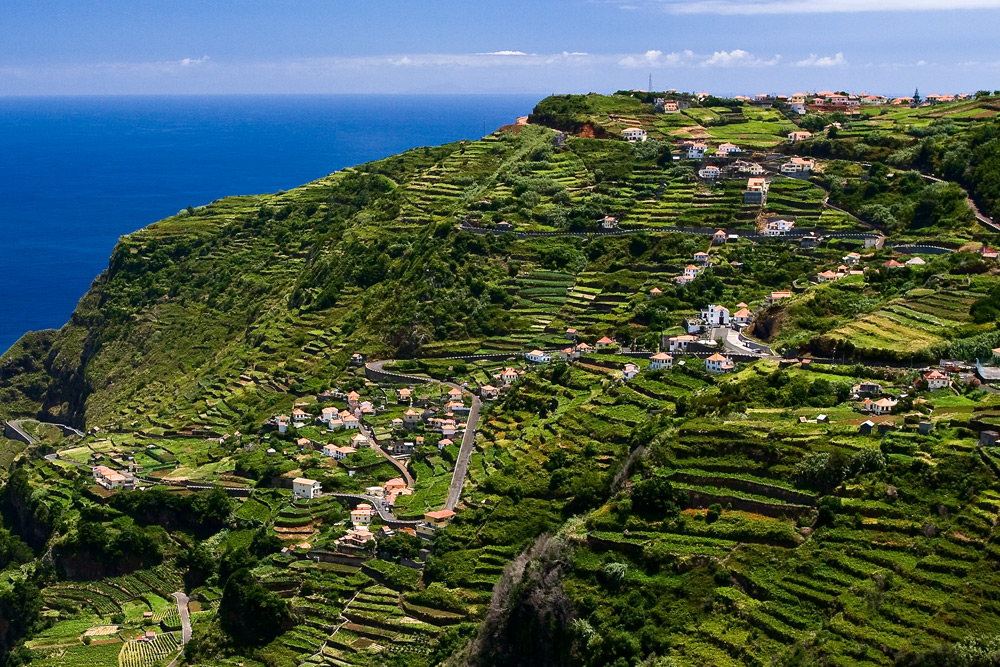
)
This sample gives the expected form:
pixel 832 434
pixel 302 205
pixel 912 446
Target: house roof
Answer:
pixel 742 312
pixel 656 290
pixel 683 338
pixel 604 341
pixel 935 375
pixel 661 356
pixel 304 480
pixel 440 514
pixel 536 353
pixel 717 357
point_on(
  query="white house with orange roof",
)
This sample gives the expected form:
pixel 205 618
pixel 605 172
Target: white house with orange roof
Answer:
pixel 798 165
pixel 581 349
pixel 701 257
pixel 719 237
pixel 604 342
pixel 696 150
pixel 360 440
pixel 112 479
pixel 338 452
pixel 851 258
pixel 709 172
pixel 691 272
pixel 489 393
pixel 882 406
pixel 609 222
pixel 718 363
pixel 538 357
pixel 508 376
pixel 680 343
pixel 778 296
pixel 756 192
pixel 728 149
pixel 655 292
pixel 937 380
pixel 299 417
pixel 362 515
pixel 350 421
pixel 661 361
pixel 777 226
pixel 743 317
pixel 327 415
pixel 799 135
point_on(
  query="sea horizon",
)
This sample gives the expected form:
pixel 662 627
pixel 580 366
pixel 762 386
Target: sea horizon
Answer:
pixel 82 170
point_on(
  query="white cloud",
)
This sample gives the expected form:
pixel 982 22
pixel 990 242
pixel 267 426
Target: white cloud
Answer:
pixel 190 62
pixel 823 61
pixel 737 58
pixel 810 6
pixel 503 53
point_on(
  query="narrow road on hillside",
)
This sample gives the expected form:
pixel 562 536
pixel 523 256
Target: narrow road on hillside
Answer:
pixel 980 216
pixel 468 439
pixel 182 611
pixel 370 434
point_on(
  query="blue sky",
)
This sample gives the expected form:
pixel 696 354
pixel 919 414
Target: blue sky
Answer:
pixel 67 47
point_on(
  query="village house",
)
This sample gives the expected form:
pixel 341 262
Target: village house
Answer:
pixel 402 447
pixel 866 427
pixel 696 150
pixel 936 380
pixel 350 421
pixel 327 415
pixel 826 276
pixel 305 488
pixel 571 334
pixel 692 325
pixel 778 296
pixel 631 370
pixel 867 388
pixel 538 357
pixel 742 317
pixel 751 168
pixel 756 192
pixel 709 172
pixel 336 452
pixel 701 257
pixel 362 515
pixel 915 261
pixel 411 418
pixel 892 264
pixel 608 222
pixel 605 342
pixel 719 237
pixel 661 361
pixel 718 363
pixel 488 392
pixel 508 376
pixel 655 292
pixel 882 406
pixel 299 417
pixel 777 226
pixel 444 442
pixel 680 343
pixel 112 479
pixel 404 395
pixel 799 135
pixel 439 518
pixel 728 149
pixel 691 272
pixel 353 399
pixel 798 165
pixel 360 440
pixel 566 354
pixel 851 258
pixel 988 252
pixel 716 316
pixel 582 349
pixel 633 134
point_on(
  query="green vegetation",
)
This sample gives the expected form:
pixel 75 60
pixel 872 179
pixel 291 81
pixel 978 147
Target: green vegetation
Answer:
pixel 679 517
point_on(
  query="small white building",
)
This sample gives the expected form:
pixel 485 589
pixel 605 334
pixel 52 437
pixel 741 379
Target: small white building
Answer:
pixel 709 172
pixel 799 135
pixel 718 363
pixel 743 317
pixel 716 316
pixel 851 258
pixel 609 222
pixel 305 488
pixel 701 257
pixel 336 452
pixel 538 357
pixel 631 370
pixel 680 343
pixel 112 479
pixel 728 149
pixel 696 151
pixel 661 361
pixel 634 134
pixel 882 406
pixel 798 165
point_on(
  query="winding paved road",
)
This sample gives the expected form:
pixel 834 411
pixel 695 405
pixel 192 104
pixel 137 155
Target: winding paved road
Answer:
pixel 468 439
pixel 182 611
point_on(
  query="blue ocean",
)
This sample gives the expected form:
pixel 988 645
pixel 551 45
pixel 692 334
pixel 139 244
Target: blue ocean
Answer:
pixel 78 172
